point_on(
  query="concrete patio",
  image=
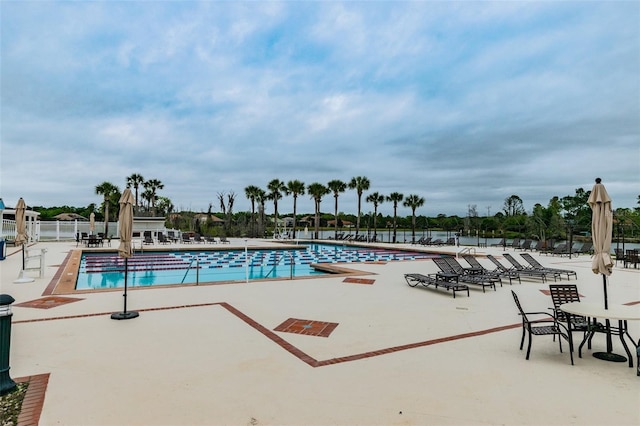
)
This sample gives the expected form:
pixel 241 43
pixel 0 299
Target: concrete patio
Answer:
pixel 234 354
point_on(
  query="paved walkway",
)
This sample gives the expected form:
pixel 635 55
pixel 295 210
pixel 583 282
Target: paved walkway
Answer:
pixel 323 351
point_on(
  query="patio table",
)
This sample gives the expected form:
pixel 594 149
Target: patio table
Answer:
pixel 621 313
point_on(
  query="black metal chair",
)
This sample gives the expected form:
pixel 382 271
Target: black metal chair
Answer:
pixel 546 326
pixel 568 293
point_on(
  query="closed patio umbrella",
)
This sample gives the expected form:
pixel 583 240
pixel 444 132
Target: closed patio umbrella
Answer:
pixel 21 237
pixel 125 222
pixel 601 229
pixel 92 222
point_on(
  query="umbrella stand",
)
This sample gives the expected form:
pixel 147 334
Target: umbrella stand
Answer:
pixel 124 315
pixel 608 355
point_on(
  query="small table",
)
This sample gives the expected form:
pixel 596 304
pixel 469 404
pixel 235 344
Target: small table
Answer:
pixel 92 241
pixel 447 277
pixel 622 313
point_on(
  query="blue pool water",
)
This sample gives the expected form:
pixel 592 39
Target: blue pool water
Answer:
pixel 106 270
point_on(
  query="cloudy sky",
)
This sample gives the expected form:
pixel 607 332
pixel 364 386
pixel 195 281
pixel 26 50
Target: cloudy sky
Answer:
pixel 463 103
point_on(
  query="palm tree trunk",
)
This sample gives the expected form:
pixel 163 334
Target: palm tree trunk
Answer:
pixel 295 201
pixel 335 233
pixel 358 218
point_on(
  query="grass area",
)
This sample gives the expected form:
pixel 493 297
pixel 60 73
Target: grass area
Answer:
pixel 11 404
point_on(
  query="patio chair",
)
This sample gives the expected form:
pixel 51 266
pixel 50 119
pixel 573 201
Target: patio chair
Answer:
pixel 526 245
pixel 171 235
pixel 224 240
pixel 568 293
pixel 186 238
pixel 544 324
pixel 632 258
pixel 536 265
pixel 499 244
pixel 432 280
pixel 586 248
pixel 539 246
pixel 162 239
pixel 500 272
pixel 530 272
pixel 548 247
pixel 561 250
pixel 515 243
pixel 148 239
pixel 446 267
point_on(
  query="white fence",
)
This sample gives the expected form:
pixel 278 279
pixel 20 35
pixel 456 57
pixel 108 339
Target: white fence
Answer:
pixel 60 230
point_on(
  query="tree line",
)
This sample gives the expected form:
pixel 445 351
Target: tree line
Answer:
pixel 560 217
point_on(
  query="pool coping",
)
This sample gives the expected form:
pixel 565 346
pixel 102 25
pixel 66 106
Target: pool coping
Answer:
pixel 64 281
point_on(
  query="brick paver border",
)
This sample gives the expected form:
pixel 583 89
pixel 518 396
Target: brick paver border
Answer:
pixel 33 399
pixel 276 338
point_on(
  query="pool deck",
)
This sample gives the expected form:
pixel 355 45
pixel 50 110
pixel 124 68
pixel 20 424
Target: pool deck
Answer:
pixel 359 350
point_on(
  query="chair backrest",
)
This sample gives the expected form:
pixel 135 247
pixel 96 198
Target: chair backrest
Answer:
pixel 586 247
pixel 561 248
pixel 531 260
pixel 561 294
pixel 453 263
pixel 495 261
pixel 513 261
pixel 472 261
pixel 443 265
pixel 521 311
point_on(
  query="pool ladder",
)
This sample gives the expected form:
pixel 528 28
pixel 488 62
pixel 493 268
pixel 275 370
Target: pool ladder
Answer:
pixel 197 260
pixel 278 262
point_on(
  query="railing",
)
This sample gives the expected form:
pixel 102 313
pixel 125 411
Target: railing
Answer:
pixel 466 250
pixel 278 263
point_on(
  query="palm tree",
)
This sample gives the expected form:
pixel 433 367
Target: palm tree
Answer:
pixel 336 186
pixel 152 186
pixel 261 197
pixel 360 184
pixel 376 199
pixel 295 187
pixel 135 180
pixel 252 192
pixel 413 201
pixel 317 191
pixel 276 188
pixel 108 191
pixel 147 195
pixel 395 197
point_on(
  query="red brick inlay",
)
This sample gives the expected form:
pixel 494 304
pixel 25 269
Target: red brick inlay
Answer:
pixel 358 281
pixel 302 356
pixel 33 399
pixel 307 327
pixel 48 302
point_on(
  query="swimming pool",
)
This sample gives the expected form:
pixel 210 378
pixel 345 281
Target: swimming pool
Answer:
pixel 106 270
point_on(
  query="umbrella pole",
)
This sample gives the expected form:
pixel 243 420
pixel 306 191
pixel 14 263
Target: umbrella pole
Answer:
pixel 126 273
pixel 606 298
pixel 608 355
pixel 124 315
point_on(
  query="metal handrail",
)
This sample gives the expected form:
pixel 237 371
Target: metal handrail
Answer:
pixel 468 250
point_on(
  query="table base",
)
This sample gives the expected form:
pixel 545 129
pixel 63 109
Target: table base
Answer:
pixel 127 315
pixel 608 356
